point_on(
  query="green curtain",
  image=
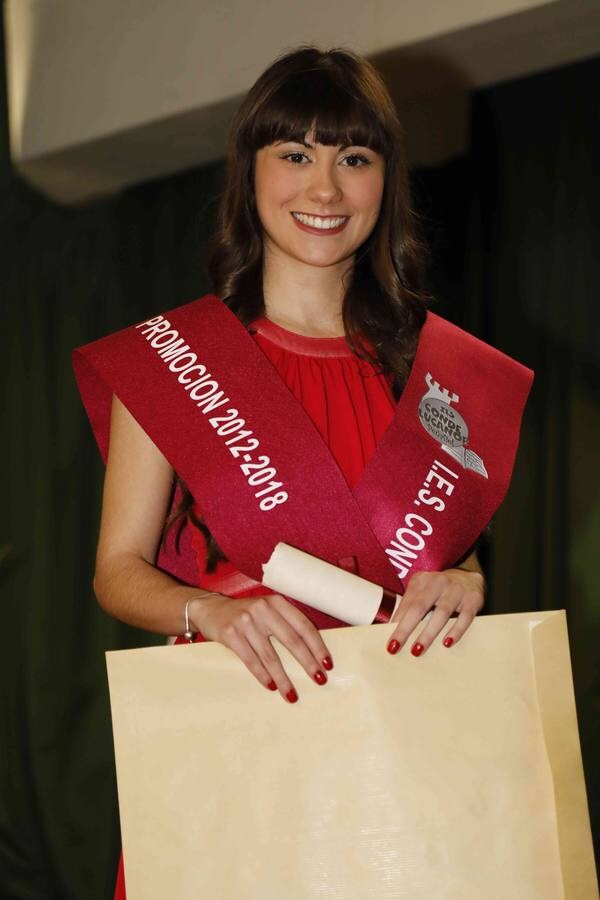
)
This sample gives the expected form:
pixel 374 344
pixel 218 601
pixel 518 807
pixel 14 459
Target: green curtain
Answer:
pixel 68 277
pixel 512 238
pixel 533 288
pixel 513 229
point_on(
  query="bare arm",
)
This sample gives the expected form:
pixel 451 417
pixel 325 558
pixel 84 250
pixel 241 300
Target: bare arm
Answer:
pixel 128 586
pixel 137 488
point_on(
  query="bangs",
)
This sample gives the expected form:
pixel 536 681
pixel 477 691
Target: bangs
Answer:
pixel 315 99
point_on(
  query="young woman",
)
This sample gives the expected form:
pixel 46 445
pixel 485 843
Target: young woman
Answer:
pixel 316 254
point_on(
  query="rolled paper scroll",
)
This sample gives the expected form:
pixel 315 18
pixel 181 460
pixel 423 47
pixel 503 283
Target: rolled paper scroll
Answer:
pixel 327 588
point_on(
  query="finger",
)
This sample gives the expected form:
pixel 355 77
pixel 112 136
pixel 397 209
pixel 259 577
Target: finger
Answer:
pixel 465 617
pixel 270 660
pixel 396 613
pixel 420 596
pixel 305 628
pixel 297 644
pixel 423 589
pixel 237 642
pixel 443 609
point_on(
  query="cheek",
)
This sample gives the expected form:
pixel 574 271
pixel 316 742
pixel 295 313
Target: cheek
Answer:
pixel 368 194
pixel 273 189
pixel 374 193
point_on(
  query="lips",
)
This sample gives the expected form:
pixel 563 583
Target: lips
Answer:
pixel 321 225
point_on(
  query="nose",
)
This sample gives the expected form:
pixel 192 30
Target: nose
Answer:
pixel 324 186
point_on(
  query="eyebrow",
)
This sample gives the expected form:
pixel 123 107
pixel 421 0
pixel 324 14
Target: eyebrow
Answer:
pixel 312 146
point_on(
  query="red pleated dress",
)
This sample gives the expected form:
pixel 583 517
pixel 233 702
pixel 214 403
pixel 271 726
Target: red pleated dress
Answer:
pixel 351 405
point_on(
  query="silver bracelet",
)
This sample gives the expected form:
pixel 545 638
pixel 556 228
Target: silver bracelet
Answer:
pixel 188 634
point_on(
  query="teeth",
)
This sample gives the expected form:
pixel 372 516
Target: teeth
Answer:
pixel 319 222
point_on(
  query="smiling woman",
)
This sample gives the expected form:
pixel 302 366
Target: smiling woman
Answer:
pixel 286 407
pixel 318 136
pixel 325 191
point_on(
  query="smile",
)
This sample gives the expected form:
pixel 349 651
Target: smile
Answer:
pixel 326 224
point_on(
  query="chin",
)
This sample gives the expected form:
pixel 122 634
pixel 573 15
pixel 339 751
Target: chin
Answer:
pixel 321 261
pixel 324 258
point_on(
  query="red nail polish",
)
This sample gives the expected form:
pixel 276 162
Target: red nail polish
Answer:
pixel 292 696
pixel 417 649
pixel 393 646
pixel 327 663
pixel 448 641
pixel 272 686
pixel 320 677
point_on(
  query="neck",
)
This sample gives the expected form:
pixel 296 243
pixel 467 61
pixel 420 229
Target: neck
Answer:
pixel 302 298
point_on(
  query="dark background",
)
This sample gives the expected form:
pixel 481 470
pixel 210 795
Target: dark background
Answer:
pixel 511 226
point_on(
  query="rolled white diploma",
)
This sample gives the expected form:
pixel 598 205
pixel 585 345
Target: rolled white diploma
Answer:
pixel 325 587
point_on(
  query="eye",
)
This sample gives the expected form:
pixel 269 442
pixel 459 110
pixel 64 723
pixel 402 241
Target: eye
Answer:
pixel 295 157
pixel 356 160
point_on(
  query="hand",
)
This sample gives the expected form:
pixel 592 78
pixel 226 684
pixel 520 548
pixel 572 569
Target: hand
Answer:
pixel 246 625
pixel 452 591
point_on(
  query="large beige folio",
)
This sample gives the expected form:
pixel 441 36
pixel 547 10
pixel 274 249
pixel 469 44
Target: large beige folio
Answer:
pixel 454 776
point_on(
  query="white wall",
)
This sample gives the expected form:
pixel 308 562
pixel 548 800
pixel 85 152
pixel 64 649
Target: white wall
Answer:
pixel 103 94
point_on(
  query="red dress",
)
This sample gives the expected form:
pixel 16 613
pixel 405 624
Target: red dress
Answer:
pixel 349 403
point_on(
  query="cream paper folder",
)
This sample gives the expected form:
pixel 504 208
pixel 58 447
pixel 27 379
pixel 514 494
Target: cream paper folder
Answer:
pixel 455 776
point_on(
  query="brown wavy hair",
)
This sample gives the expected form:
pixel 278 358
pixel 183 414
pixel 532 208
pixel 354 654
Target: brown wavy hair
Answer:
pixel 339 98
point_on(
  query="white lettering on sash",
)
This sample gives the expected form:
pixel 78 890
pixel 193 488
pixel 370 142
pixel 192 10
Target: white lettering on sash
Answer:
pixel 199 368
pixel 174 350
pixel 204 390
pixel 175 364
pixel 150 321
pixel 156 329
pixel 400 556
pixel 208 396
pixel 212 402
pixel 192 384
pixel 159 340
pixel 413 517
pixel 409 541
pixel 409 538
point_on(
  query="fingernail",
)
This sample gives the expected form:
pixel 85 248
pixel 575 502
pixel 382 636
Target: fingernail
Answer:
pixel 327 663
pixel 320 677
pixel 272 686
pixel 292 696
pixel 448 642
pixel 393 646
pixel 417 649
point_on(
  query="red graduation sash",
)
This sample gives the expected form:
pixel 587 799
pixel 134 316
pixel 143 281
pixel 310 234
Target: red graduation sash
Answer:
pixel 212 402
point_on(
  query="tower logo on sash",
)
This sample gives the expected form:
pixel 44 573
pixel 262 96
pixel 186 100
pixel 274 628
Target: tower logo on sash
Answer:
pixel 446 425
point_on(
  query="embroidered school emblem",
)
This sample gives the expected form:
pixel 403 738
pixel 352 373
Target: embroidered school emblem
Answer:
pixel 446 425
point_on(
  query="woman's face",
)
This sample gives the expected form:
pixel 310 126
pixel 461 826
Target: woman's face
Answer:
pixel 317 204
